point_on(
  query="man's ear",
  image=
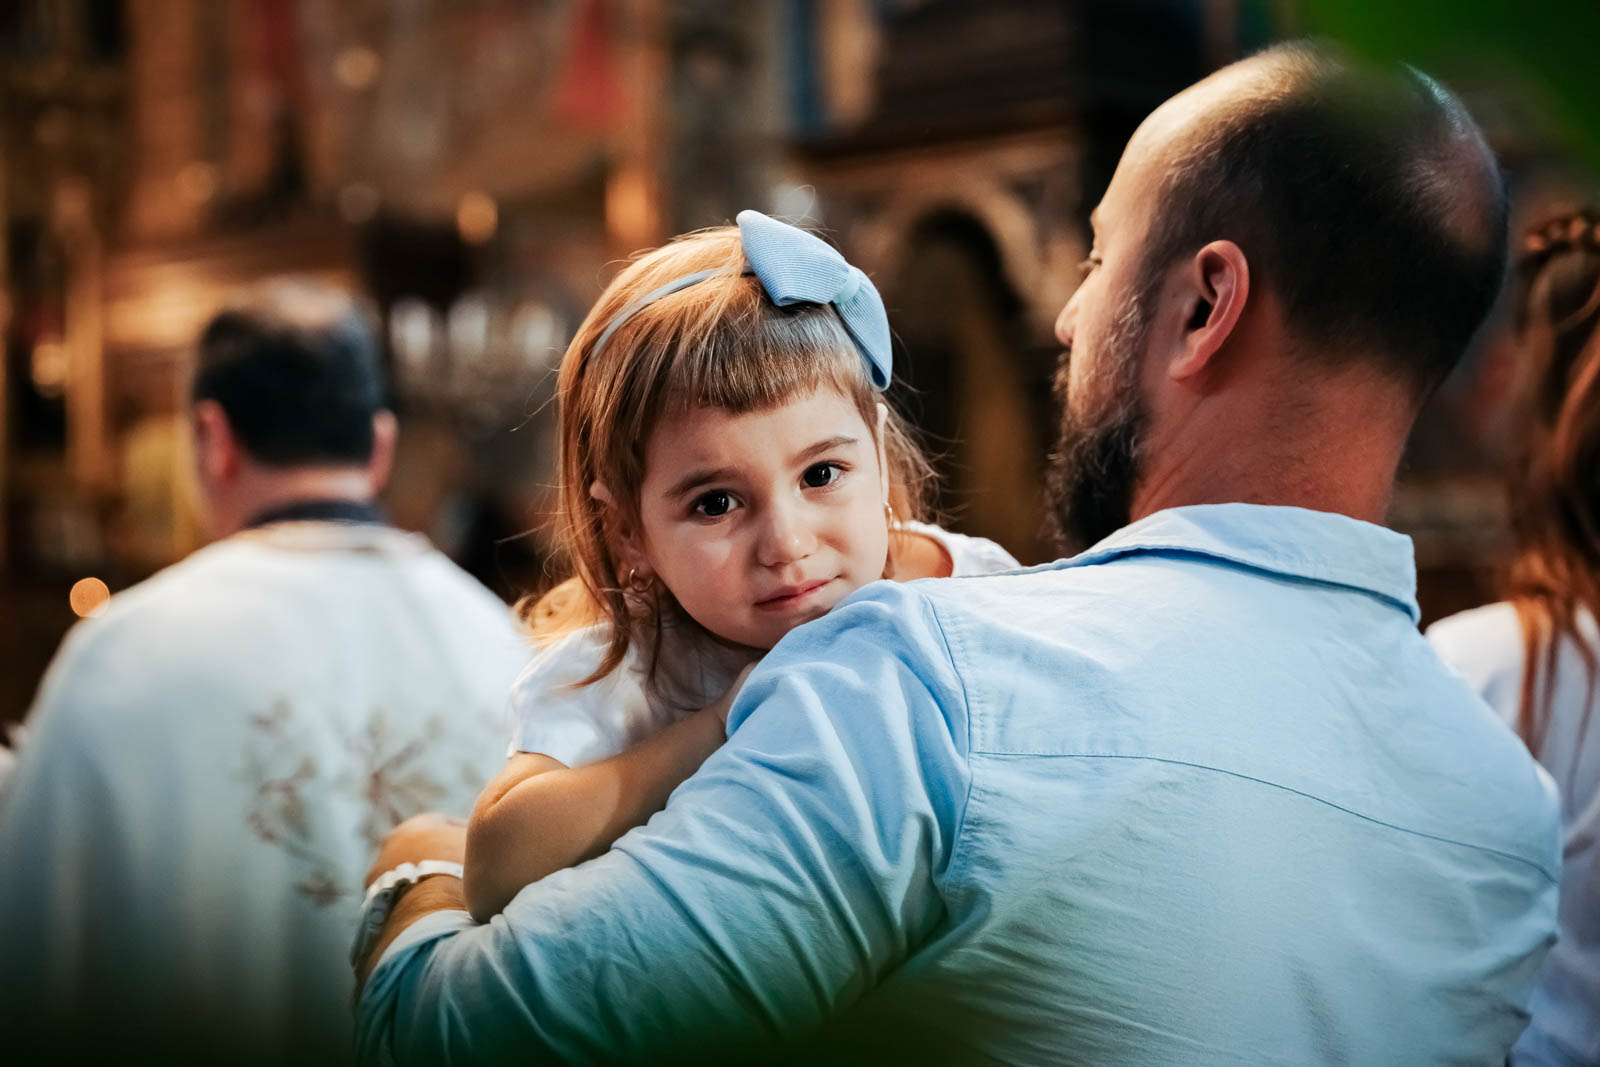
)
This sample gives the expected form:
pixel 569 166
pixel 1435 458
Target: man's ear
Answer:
pixel 883 449
pixel 626 546
pixel 1216 286
pixel 216 450
pixel 385 436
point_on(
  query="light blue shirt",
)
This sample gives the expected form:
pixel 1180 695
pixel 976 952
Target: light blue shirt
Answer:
pixel 1202 794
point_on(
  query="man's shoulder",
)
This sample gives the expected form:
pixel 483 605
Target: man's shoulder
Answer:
pixel 939 617
pixel 143 613
pixel 257 573
pixel 218 611
pixel 978 603
pixel 881 621
pixel 220 561
pixel 887 632
pixel 161 620
pixel 1190 668
pixel 883 608
pixel 116 674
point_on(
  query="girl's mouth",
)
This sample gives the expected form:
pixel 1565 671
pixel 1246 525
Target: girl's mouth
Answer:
pixel 793 596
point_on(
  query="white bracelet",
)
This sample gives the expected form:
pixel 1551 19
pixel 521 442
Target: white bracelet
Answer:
pixel 381 896
pixel 406 873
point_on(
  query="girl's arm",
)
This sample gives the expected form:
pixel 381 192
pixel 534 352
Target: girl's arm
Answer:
pixel 538 815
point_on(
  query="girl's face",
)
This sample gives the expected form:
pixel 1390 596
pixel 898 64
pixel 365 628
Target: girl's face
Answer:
pixel 762 521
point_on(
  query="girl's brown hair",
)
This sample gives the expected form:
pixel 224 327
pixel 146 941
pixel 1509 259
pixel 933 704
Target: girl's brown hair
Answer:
pixel 719 343
pixel 1554 578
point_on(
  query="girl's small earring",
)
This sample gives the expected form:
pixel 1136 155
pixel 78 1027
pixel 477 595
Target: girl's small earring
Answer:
pixel 635 583
pixel 894 529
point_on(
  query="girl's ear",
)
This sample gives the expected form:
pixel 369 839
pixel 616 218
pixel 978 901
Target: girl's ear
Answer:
pixel 621 537
pixel 883 449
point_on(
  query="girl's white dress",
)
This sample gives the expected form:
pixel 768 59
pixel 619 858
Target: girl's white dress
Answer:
pixel 1485 647
pixel 552 714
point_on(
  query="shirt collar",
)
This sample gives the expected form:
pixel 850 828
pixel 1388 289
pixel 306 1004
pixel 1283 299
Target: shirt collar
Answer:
pixel 318 509
pixel 1314 545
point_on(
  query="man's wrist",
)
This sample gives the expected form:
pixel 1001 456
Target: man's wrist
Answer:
pixel 403 875
pixel 430 893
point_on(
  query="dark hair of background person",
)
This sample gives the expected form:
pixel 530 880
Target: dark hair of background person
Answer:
pixel 1554 576
pixel 1365 198
pixel 295 367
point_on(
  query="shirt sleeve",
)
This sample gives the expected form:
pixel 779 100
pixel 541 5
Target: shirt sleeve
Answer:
pixel 786 878
pixel 551 713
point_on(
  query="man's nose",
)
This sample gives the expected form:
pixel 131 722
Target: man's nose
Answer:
pixel 1068 319
pixel 787 534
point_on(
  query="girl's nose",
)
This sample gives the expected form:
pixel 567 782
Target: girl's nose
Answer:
pixel 787 535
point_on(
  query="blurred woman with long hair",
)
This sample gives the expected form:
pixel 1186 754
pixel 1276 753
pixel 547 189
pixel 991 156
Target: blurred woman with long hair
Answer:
pixel 1535 655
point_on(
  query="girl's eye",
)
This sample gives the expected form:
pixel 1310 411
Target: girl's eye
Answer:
pixel 820 474
pixel 1090 264
pixel 714 504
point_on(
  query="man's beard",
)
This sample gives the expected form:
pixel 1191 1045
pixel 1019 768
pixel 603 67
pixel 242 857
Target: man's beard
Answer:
pixel 1097 458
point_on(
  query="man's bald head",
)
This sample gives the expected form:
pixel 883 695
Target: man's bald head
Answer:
pixel 1364 198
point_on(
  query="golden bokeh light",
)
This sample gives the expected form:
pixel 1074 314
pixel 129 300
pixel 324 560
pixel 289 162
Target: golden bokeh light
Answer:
pixel 49 368
pixel 356 67
pixel 632 217
pixel 88 596
pixel 477 217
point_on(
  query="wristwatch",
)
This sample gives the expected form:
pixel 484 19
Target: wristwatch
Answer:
pixel 382 895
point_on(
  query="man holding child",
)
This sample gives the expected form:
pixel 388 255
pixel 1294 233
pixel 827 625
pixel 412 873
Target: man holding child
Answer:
pixel 1200 793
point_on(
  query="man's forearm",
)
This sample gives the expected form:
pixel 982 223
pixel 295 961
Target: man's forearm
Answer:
pixel 788 875
pixel 439 892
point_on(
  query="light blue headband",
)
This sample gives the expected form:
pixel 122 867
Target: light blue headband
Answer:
pixel 795 267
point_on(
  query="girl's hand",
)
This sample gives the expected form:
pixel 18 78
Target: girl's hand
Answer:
pixel 723 703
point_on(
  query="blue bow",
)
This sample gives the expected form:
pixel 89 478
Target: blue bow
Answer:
pixel 796 267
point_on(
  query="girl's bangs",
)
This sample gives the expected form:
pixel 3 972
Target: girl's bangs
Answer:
pixel 740 353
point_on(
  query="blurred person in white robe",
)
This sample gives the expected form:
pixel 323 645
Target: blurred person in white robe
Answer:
pixel 212 758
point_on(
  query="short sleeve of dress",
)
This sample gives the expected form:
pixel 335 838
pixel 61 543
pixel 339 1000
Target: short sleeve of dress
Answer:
pixel 969 556
pixel 551 713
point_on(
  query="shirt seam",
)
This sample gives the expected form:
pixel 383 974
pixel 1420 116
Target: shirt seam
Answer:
pixel 1287 789
pixel 957 836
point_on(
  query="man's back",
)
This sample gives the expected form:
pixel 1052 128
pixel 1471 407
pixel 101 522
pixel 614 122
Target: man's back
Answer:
pixel 1200 795
pixel 210 764
pixel 1226 806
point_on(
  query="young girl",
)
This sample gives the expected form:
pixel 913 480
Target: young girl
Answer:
pixel 729 472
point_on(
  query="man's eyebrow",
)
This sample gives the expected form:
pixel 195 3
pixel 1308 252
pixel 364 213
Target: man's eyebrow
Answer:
pixel 697 479
pixel 1094 219
pixel 827 444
